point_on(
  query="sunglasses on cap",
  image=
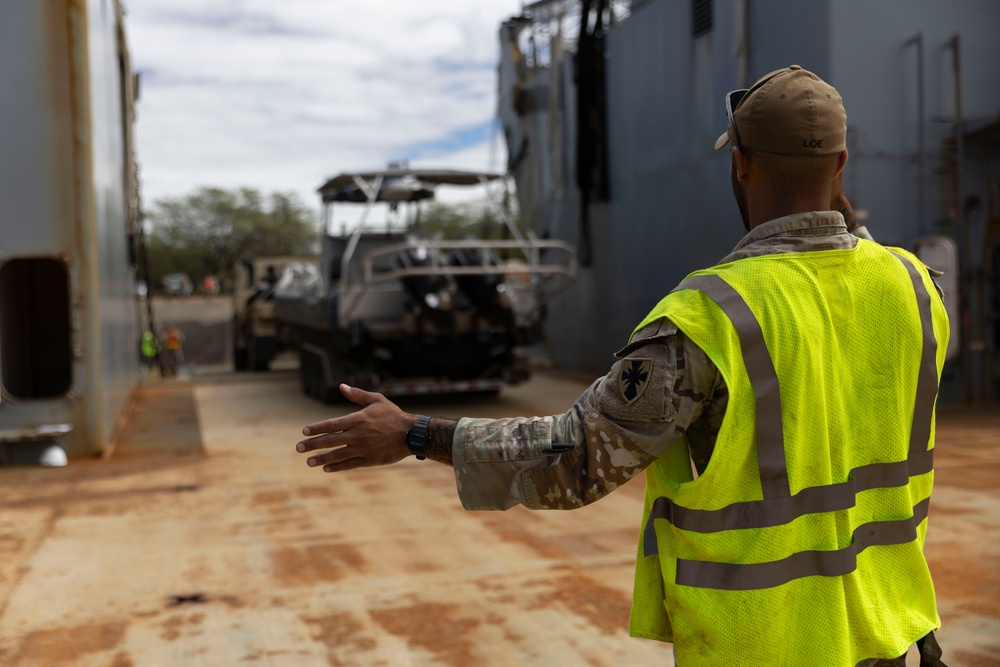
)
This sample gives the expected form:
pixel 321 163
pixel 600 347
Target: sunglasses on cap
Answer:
pixel 733 100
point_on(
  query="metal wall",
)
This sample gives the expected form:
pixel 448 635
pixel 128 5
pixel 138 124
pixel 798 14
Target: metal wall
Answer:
pixel 876 71
pixel 671 209
pixel 918 77
pixel 65 178
pixel 113 328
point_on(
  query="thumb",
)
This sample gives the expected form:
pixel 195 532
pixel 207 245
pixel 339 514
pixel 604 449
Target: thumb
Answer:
pixel 360 396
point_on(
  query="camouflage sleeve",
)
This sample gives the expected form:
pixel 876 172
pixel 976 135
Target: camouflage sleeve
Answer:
pixel 623 422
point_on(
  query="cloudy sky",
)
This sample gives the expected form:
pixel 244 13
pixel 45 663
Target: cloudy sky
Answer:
pixel 279 95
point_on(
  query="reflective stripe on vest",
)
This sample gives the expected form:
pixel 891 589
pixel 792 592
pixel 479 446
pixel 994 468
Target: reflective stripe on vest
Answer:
pixel 778 506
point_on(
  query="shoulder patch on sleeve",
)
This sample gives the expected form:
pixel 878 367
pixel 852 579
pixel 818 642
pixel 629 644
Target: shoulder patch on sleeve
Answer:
pixel 637 386
pixel 633 378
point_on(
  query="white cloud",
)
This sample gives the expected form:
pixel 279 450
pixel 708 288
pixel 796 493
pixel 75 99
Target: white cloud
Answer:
pixel 281 95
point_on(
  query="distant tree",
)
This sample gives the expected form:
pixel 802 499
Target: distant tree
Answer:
pixel 475 218
pixel 206 232
pixel 450 221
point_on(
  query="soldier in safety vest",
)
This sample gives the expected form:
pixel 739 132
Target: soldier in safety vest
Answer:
pixel 782 525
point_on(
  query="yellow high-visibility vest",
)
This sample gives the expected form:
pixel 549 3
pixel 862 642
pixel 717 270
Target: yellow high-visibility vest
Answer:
pixel 802 541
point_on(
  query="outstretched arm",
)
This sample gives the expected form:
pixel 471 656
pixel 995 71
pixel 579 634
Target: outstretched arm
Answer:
pixel 372 436
pixel 557 462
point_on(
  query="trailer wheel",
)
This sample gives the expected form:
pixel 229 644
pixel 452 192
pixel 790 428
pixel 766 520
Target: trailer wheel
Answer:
pixel 316 373
pixel 313 379
pixel 311 373
pixel 260 352
pixel 239 358
pixel 324 392
pixel 306 373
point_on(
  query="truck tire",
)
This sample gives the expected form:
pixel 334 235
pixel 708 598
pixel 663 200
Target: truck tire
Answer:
pixel 307 373
pixel 313 379
pixel 239 358
pixel 324 392
pixel 260 352
pixel 239 353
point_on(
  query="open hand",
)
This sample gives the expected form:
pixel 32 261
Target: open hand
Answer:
pixel 372 436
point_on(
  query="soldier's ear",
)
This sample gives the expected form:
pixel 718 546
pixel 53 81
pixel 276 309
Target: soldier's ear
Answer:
pixel 741 163
pixel 842 160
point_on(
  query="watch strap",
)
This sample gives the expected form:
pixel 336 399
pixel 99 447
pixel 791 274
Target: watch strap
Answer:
pixel 418 437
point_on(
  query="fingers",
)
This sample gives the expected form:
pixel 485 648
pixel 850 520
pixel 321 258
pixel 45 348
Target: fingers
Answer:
pixel 325 441
pixel 371 436
pixel 360 396
pixel 327 426
pixel 344 458
pixel 335 425
pixel 349 464
pixel 340 459
pixel 338 455
pixel 353 394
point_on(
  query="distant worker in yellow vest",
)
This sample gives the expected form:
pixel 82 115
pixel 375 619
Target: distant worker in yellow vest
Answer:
pixel 782 406
pixel 149 346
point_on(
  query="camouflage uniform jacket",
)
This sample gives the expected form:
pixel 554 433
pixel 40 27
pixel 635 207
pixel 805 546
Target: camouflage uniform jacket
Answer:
pixel 610 435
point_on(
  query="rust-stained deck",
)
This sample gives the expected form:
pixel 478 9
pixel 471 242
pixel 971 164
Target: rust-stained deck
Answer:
pixel 205 540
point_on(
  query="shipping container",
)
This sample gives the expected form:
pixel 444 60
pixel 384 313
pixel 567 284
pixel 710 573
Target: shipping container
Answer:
pixel 69 227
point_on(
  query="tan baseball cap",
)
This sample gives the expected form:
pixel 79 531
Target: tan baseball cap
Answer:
pixel 790 111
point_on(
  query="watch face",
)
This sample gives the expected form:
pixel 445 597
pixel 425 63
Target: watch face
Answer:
pixel 416 439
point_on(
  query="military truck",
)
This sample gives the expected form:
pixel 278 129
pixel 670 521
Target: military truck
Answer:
pixel 393 309
pixel 257 339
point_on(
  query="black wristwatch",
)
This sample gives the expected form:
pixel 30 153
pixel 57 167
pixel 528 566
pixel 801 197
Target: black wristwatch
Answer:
pixel 417 438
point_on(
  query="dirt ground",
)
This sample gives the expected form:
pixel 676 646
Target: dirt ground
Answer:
pixel 963 542
pixel 205 540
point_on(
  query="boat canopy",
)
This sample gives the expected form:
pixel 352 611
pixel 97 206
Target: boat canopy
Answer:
pixel 397 184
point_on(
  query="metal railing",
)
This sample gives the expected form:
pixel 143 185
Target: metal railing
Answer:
pixel 555 276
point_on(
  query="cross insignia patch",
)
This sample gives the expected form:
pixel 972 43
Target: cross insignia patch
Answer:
pixel 634 378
